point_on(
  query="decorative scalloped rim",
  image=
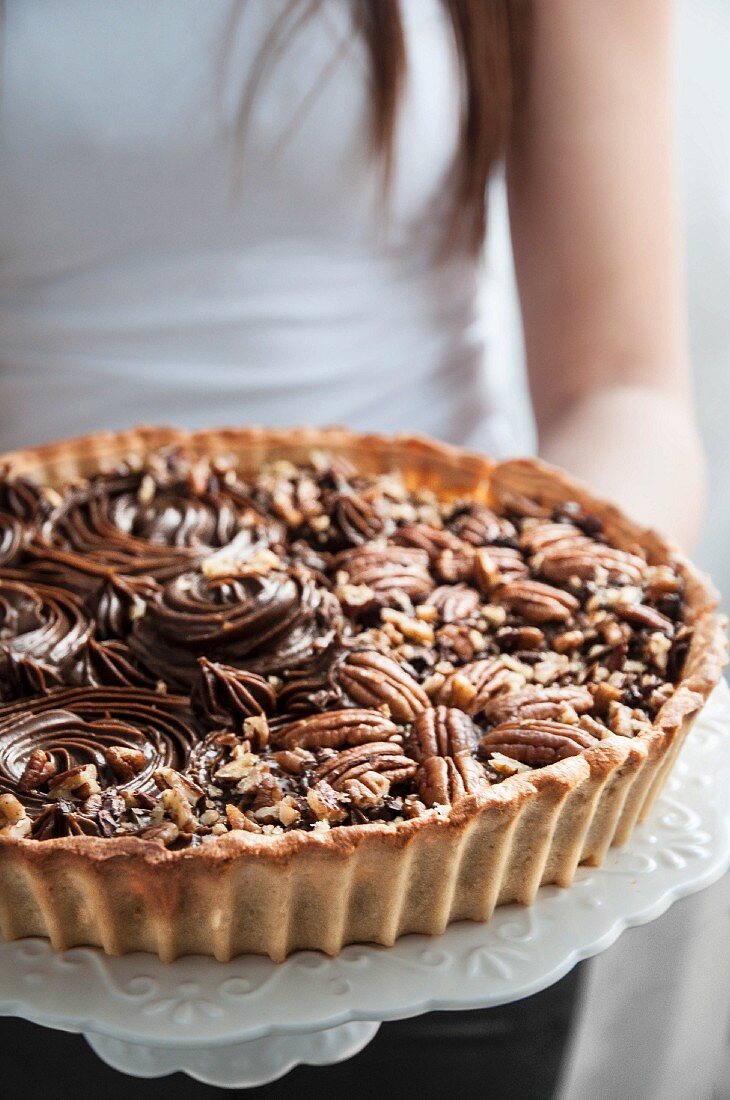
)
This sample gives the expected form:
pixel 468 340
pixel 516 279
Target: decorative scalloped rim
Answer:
pixel 684 848
pixel 241 1065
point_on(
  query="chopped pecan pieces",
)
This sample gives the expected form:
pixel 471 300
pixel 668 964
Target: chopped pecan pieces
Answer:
pixel 14 820
pixel 172 780
pixel 324 803
pixel 178 808
pixel 460 642
pixel 76 784
pixel 497 565
pixel 294 761
pixel 165 833
pixel 238 820
pixel 413 629
pixel 513 639
pixel 505 765
pixel 238 765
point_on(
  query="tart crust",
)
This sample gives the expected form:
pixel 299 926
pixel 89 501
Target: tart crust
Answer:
pixel 273 895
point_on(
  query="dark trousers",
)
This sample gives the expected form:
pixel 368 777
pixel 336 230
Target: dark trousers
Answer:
pixel 509 1053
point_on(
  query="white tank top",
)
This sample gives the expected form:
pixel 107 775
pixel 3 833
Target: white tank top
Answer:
pixel 153 267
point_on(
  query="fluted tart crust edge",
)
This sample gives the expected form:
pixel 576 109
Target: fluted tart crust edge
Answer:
pixel 372 883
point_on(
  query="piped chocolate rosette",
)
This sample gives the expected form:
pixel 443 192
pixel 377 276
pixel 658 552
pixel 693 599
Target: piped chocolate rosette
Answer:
pixel 13 537
pixel 85 760
pixel 112 538
pixel 43 631
pixel 314 649
pixel 23 505
pixel 270 620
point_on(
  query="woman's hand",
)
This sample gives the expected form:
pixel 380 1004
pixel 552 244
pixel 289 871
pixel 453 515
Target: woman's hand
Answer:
pixel 594 215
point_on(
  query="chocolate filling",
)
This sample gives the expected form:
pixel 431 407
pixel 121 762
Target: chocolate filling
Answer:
pixel 183 653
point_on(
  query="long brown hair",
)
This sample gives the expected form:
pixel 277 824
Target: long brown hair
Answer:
pixel 492 40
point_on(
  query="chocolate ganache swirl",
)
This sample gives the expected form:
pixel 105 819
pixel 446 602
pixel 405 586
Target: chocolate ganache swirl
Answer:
pixel 126 734
pixel 112 664
pixel 23 498
pixel 13 537
pixel 157 522
pixel 264 621
pixel 41 628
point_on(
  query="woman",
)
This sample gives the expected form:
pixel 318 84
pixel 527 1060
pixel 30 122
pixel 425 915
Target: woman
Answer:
pixel 274 211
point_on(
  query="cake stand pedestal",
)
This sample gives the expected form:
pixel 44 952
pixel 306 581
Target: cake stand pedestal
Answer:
pixel 247 1022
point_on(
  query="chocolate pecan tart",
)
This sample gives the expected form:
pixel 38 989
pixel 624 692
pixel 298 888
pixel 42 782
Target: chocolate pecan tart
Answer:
pixel 266 690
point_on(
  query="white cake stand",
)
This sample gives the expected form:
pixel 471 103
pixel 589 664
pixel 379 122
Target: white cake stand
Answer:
pixel 249 1021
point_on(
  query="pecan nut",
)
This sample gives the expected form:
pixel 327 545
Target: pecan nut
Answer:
pixel 538 702
pixel 434 540
pixel 385 573
pixel 360 520
pixel 498 565
pixel 471 687
pixel 456 565
pixel 643 617
pixel 454 602
pixel 441 731
pixel 481 526
pixel 536 742
pixel 536 538
pixel 385 759
pixel 165 833
pixel 40 768
pixel 561 551
pixel 459 642
pixel 443 781
pixel 374 680
pixel 125 762
pixel 536 602
pixel 335 729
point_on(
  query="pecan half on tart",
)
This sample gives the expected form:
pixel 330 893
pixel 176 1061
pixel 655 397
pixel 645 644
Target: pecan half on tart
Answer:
pixel 268 690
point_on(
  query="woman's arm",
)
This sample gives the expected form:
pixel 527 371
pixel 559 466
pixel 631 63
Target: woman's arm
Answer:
pixel 594 215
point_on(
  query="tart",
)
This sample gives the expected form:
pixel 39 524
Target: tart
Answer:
pixel 269 690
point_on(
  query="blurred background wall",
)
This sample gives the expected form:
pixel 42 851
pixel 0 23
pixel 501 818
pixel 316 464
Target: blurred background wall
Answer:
pixel 703 110
pixel 704 128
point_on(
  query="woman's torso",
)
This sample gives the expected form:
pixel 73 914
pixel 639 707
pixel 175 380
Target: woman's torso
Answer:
pixel 156 266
